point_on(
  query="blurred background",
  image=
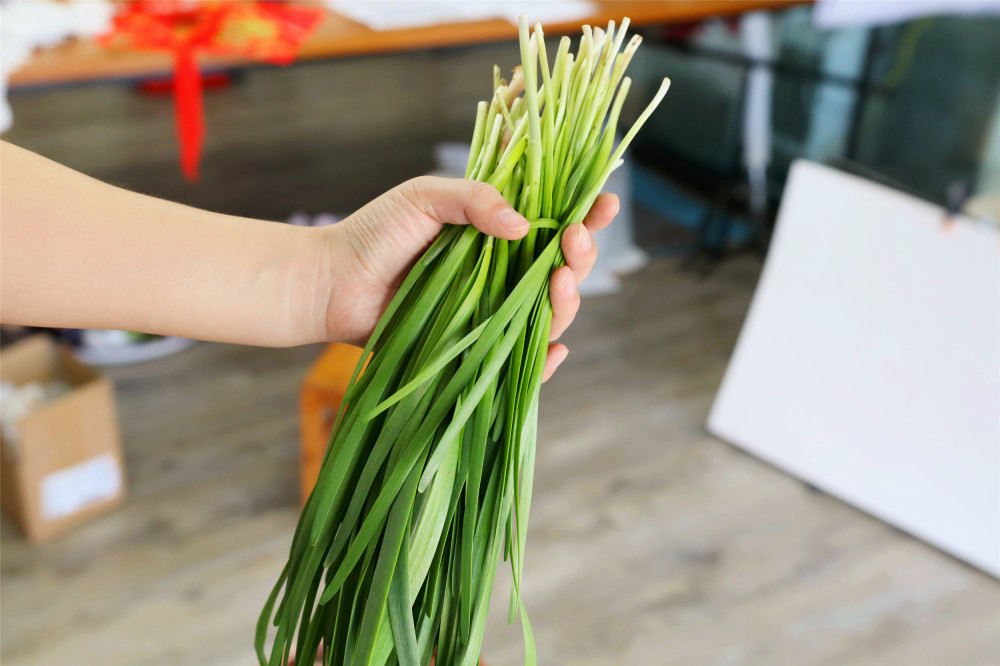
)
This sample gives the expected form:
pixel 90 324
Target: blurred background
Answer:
pixel 815 483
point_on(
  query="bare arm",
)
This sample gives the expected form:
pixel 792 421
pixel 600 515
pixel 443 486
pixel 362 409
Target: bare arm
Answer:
pixel 78 253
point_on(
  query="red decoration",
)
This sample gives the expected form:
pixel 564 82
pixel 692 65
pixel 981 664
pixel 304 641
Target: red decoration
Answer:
pixel 268 31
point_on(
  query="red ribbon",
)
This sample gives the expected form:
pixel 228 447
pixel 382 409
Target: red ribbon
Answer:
pixel 268 31
pixel 190 110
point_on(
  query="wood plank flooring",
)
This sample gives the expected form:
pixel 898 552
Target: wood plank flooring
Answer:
pixel 650 543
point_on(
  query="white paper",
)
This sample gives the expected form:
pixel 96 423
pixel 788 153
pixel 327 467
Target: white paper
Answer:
pixel 855 13
pixel 74 488
pixel 423 13
pixel 869 362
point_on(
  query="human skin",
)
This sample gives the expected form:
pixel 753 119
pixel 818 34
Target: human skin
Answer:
pixel 79 253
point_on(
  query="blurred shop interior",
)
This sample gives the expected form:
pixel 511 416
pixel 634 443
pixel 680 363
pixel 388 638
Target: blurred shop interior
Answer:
pixel 815 482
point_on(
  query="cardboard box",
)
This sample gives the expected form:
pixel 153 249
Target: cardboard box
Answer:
pixel 66 464
pixel 322 392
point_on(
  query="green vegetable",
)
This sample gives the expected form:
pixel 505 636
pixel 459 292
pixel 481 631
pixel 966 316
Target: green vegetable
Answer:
pixel 427 479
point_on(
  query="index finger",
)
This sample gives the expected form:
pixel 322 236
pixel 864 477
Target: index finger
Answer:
pixel 463 201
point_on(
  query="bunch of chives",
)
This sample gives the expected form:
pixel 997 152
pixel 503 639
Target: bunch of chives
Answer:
pixel 427 480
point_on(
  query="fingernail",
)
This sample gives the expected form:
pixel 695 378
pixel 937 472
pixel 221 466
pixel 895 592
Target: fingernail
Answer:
pixel 568 279
pixel 513 221
pixel 582 238
pixel 565 354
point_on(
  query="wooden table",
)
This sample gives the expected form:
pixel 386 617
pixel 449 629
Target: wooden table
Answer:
pixel 337 36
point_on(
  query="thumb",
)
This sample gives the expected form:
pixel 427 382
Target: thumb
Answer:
pixel 463 201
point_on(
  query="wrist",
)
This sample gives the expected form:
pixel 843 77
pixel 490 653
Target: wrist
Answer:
pixel 310 282
pixel 323 289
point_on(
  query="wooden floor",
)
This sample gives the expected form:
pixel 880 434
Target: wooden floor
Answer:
pixel 650 542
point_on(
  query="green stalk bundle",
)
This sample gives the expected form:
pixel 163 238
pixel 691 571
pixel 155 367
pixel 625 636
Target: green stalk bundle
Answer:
pixel 427 480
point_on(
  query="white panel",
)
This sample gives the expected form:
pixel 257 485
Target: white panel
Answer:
pixel 869 363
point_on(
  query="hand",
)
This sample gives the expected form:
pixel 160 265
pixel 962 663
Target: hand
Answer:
pixel 374 248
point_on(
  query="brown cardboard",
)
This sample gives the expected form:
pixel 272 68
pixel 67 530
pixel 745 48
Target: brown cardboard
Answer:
pixel 67 446
pixel 322 392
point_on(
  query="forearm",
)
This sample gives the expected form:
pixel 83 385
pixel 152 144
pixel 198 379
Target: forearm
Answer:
pixel 77 253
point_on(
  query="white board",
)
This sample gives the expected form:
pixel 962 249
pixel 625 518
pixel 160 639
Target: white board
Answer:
pixel 869 362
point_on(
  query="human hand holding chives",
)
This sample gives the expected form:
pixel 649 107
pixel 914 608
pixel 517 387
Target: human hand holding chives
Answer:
pixel 372 250
pixel 97 256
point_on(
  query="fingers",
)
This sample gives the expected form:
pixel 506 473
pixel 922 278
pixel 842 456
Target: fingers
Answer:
pixel 578 244
pixel 557 354
pixel 602 212
pixel 461 201
pixel 580 253
pixel 579 250
pixel 565 300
